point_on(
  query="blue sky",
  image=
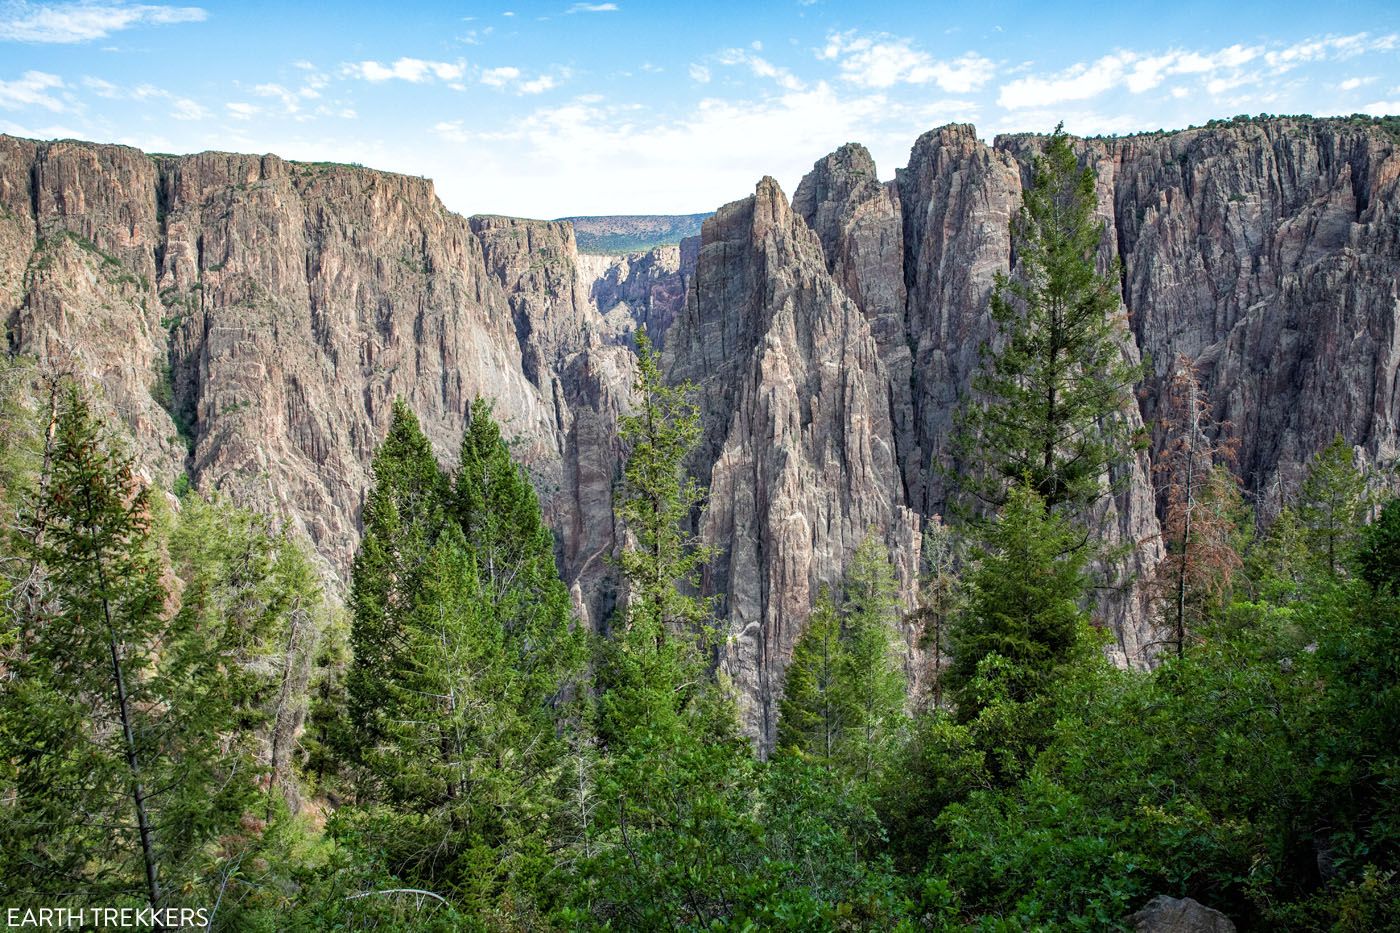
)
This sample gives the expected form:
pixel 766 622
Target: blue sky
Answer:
pixel 550 109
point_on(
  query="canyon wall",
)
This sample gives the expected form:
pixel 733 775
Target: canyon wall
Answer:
pixel 250 320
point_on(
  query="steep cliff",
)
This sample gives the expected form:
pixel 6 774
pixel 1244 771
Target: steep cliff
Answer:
pixel 250 319
pixel 798 445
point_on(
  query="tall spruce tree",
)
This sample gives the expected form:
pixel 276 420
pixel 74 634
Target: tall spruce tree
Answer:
pixel 813 715
pixel 1055 386
pixel 403 517
pixel 136 722
pixel 872 670
pixel 1332 506
pixel 499 514
pixel 657 661
pixel 81 702
pixel 1023 599
pixel 675 792
pixel 466 777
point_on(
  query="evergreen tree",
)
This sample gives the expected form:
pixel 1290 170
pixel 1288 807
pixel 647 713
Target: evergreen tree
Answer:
pixel 939 597
pixel 81 707
pixel 1332 505
pixel 467 776
pixel 872 680
pixel 137 726
pixel 656 665
pixel 1056 386
pixel 1378 560
pixel 1024 592
pixel 676 835
pixel 249 620
pixel 813 714
pixel 403 516
pixel 499 514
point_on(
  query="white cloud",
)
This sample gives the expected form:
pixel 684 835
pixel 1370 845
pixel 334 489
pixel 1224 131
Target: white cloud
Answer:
pixel 182 108
pixel 700 74
pixel 1221 71
pixel 1351 84
pixel 31 90
pixel 1328 47
pixel 508 77
pixel 538 85
pixel 1078 82
pixel 631 155
pixel 289 100
pixel 186 109
pixel 243 111
pixel 884 61
pixel 451 130
pixel 1382 108
pixel 592 8
pixel 53 131
pixel 412 70
pixel 83 22
pixel 499 77
pixel 761 68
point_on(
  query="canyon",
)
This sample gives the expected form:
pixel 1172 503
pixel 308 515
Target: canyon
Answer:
pixel 250 320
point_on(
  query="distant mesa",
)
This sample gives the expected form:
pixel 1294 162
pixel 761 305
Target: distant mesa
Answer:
pixel 613 234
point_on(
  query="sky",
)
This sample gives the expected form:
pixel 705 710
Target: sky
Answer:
pixel 550 109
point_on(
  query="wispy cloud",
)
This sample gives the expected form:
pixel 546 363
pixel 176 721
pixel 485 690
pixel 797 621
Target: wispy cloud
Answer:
pixel 592 8
pixel 182 108
pixel 1221 70
pixel 413 70
pixel 499 77
pixel 83 22
pixel 760 67
pixel 508 77
pixel 32 90
pixel 883 61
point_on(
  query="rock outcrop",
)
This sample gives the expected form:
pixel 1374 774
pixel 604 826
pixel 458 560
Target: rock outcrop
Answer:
pixel 250 320
pixel 798 445
pixel 641 289
pixel 1165 914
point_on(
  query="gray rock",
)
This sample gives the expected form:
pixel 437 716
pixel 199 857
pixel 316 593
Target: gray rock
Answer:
pixel 1165 914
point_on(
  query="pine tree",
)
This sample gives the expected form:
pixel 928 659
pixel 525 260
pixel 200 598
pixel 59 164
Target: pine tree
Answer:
pixel 142 717
pixel 939 597
pixel 1332 505
pixel 467 777
pixel 1024 593
pixel 657 665
pixel 404 513
pixel 499 514
pixel 872 678
pixel 676 787
pixel 1056 387
pixel 82 703
pixel 813 715
pixel 1378 558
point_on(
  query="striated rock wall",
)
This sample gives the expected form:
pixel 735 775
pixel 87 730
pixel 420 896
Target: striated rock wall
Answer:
pixel 250 320
pixel 798 444
pixel 640 289
pixel 270 312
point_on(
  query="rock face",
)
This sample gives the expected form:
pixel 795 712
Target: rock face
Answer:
pixel 250 320
pixel 1165 914
pixel 798 444
pixel 270 312
pixel 641 289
